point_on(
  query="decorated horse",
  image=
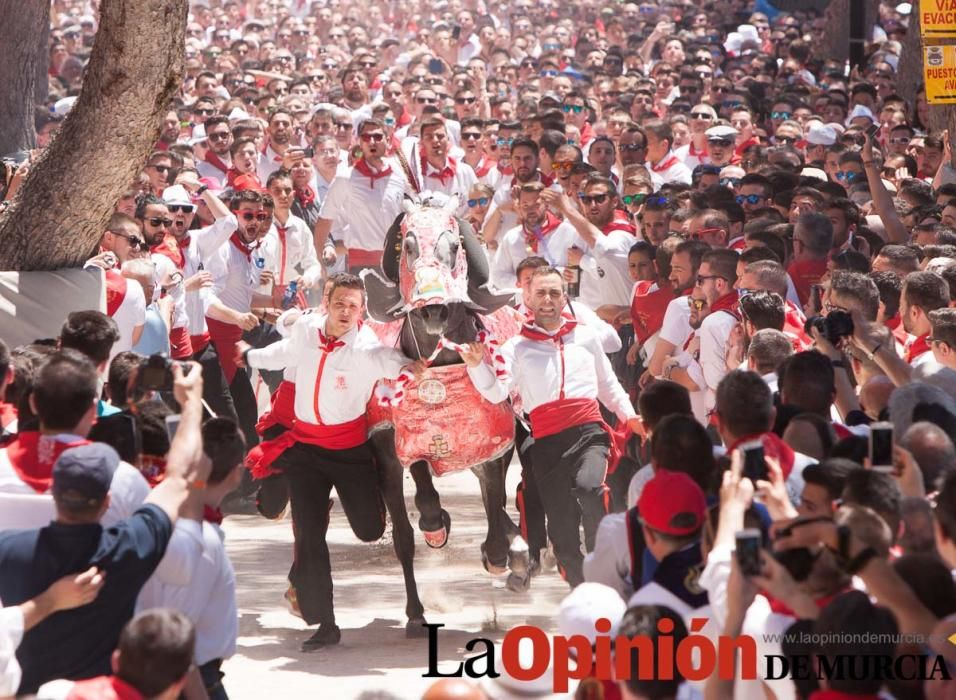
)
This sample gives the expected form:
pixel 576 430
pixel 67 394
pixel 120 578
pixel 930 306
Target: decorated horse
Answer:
pixel 432 298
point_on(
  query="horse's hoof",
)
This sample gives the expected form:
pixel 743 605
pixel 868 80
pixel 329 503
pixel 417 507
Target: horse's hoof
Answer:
pixel 519 558
pixel 415 629
pixel 549 562
pixel 493 569
pixel 436 539
pixel 518 584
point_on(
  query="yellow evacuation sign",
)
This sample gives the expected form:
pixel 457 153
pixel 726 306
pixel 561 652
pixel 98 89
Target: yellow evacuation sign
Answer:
pixel 937 18
pixel 939 69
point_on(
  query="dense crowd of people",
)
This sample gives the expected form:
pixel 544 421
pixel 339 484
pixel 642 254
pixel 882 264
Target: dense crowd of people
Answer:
pixel 734 268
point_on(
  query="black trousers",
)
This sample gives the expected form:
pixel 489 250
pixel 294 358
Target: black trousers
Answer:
pixel 215 390
pixel 569 469
pixel 312 471
pixel 528 499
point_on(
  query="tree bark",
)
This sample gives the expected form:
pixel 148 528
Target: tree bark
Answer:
pixel 135 68
pixel 24 24
pixel 837 36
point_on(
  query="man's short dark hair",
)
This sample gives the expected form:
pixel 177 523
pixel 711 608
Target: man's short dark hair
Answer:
pixel 640 624
pixel 860 288
pixel 889 285
pixel 764 310
pixel 771 275
pixel 681 444
pixel 830 474
pixel 661 398
pixel 225 446
pixel 156 650
pixel 744 403
pixel 818 231
pixel 65 390
pixel 280 174
pixel 251 196
pixel 345 280
pixel 117 381
pixel 769 348
pixel 530 263
pixel 877 491
pixel 695 249
pixel 91 332
pixel 902 258
pixel 807 382
pixel 926 290
pixel 144 201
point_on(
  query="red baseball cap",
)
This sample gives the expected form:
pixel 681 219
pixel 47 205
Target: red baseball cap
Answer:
pixel 672 503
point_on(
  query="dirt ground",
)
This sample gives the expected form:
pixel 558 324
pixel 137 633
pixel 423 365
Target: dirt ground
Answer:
pixel 370 602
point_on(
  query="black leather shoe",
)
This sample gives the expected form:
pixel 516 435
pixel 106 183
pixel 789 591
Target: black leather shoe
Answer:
pixel 326 635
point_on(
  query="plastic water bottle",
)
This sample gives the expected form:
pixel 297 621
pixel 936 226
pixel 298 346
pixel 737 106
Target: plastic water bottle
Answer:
pixel 288 299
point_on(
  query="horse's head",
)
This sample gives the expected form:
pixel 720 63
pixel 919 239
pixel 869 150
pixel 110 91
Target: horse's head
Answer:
pixel 432 267
pixel 430 258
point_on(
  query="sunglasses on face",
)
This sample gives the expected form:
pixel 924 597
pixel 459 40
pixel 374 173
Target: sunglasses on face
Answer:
pixel 702 280
pixel 749 198
pixel 567 109
pixel 780 115
pixel 159 222
pixel 204 112
pixel 632 147
pixel 368 64
pixel 181 208
pixel 481 201
pixel 161 168
pixel 720 143
pixel 593 198
pixel 504 142
pixel 426 100
pixel 549 73
pixel 900 140
pixel 703 116
pixel 847 175
pixel 730 104
pixel 635 199
pixel 134 242
pixel 218 136
pixel 250 216
pixel 389 121
pixel 465 100
pixel 729 181
pixel 377 138
pixel 470 136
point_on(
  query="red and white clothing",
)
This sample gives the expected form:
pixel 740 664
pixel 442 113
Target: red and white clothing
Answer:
pixel 368 201
pixel 169 260
pixel 486 170
pixel 289 252
pixel 509 219
pixel 334 377
pixel 691 157
pixel 919 351
pixel 125 304
pixel 454 178
pixel 675 328
pixel 604 275
pixel 26 467
pixel 565 365
pixel 671 169
pixel 551 241
pixel 198 247
pixel 269 162
pixel 714 331
pixel 648 305
pixel 607 336
pixel 805 274
pixel 214 166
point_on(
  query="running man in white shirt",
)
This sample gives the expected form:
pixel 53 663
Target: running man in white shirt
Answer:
pixel 560 371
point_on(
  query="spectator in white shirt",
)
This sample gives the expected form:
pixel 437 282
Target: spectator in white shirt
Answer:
pixel 715 279
pixel 660 156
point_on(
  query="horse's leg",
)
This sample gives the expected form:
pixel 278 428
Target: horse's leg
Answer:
pixel 501 529
pixel 433 519
pixel 391 474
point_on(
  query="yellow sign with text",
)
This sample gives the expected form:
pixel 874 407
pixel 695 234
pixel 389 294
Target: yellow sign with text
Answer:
pixel 939 70
pixel 937 18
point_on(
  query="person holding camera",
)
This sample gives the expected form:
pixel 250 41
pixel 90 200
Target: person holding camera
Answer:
pixel 338 364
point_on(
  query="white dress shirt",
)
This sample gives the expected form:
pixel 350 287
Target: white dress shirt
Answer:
pixel 538 370
pixel 675 328
pixel 130 315
pixel 235 278
pixel 513 248
pixel 369 209
pixel 203 244
pixel 196 577
pixel 343 378
pixel 290 249
pixel 714 332
pixel 675 170
pixel 269 162
pixel 604 275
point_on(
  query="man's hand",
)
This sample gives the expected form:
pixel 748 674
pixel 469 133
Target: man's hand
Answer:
pixel 736 490
pixel 907 473
pixel 824 346
pixel 189 180
pixel 76 590
pixel 558 201
pixel 773 493
pixel 328 255
pixel 417 368
pixel 248 321
pixel 473 354
pixel 105 261
pixel 632 354
pixel 574 255
pixel 267 278
pixel 777 581
pixel 292 157
pixel 741 592
pixel 636 424
pixel 866 335
pixel 201 279
pixel 805 532
pixel 187 386
pixel 242 347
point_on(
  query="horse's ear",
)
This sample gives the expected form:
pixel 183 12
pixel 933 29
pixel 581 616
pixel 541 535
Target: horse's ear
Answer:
pixel 384 299
pixel 478 271
pixel 392 253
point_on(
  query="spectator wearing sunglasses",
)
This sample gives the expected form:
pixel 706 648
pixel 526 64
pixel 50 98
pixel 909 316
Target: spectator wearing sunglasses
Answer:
pixel 479 199
pixel 472 142
pixel 123 238
pixel 720 144
pixel 701 118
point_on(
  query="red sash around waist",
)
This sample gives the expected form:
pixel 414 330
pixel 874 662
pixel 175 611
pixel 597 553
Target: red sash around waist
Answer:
pixel 199 342
pixel 341 436
pixel 364 258
pixel 225 336
pixel 281 411
pixel 180 344
pixel 553 417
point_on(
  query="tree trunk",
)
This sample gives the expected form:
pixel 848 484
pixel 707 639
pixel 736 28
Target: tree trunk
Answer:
pixel 70 193
pixel 25 23
pixel 837 35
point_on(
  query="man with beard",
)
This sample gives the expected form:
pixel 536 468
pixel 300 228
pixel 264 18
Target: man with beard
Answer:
pixel 236 271
pixel 676 329
pixel 281 137
pixel 367 198
pixel 435 169
pixel 354 87
pixel 683 366
pixel 217 161
pixel 524 159
pixel 539 233
pixel 715 280
pixel 559 369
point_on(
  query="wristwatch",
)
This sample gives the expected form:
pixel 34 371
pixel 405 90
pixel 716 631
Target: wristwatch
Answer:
pixel 202 188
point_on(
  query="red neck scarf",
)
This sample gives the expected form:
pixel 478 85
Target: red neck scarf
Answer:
pixel 32 456
pixel 365 169
pixel 305 195
pixel 484 166
pixel 532 238
pixel 919 346
pixel 728 303
pixel 505 169
pixel 115 292
pixel 446 173
pixel 665 164
pixel 216 162
pixel 619 222
pixel 328 344
pixel 171 249
pixel 531 332
pixel 774 447
pixel 104 688
pixel 242 246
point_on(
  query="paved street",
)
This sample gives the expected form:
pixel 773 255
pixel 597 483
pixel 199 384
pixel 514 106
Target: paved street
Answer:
pixel 370 601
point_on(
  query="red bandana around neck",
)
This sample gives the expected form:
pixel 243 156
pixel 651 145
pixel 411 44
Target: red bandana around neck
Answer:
pixel 33 455
pixel 532 238
pixel 171 249
pixel 534 333
pixel 242 246
pixel 665 164
pixel 728 303
pixel 484 166
pixel 773 446
pixel 305 195
pixel 365 169
pixel 919 346
pixel 216 162
pixel 446 173
pixel 328 344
